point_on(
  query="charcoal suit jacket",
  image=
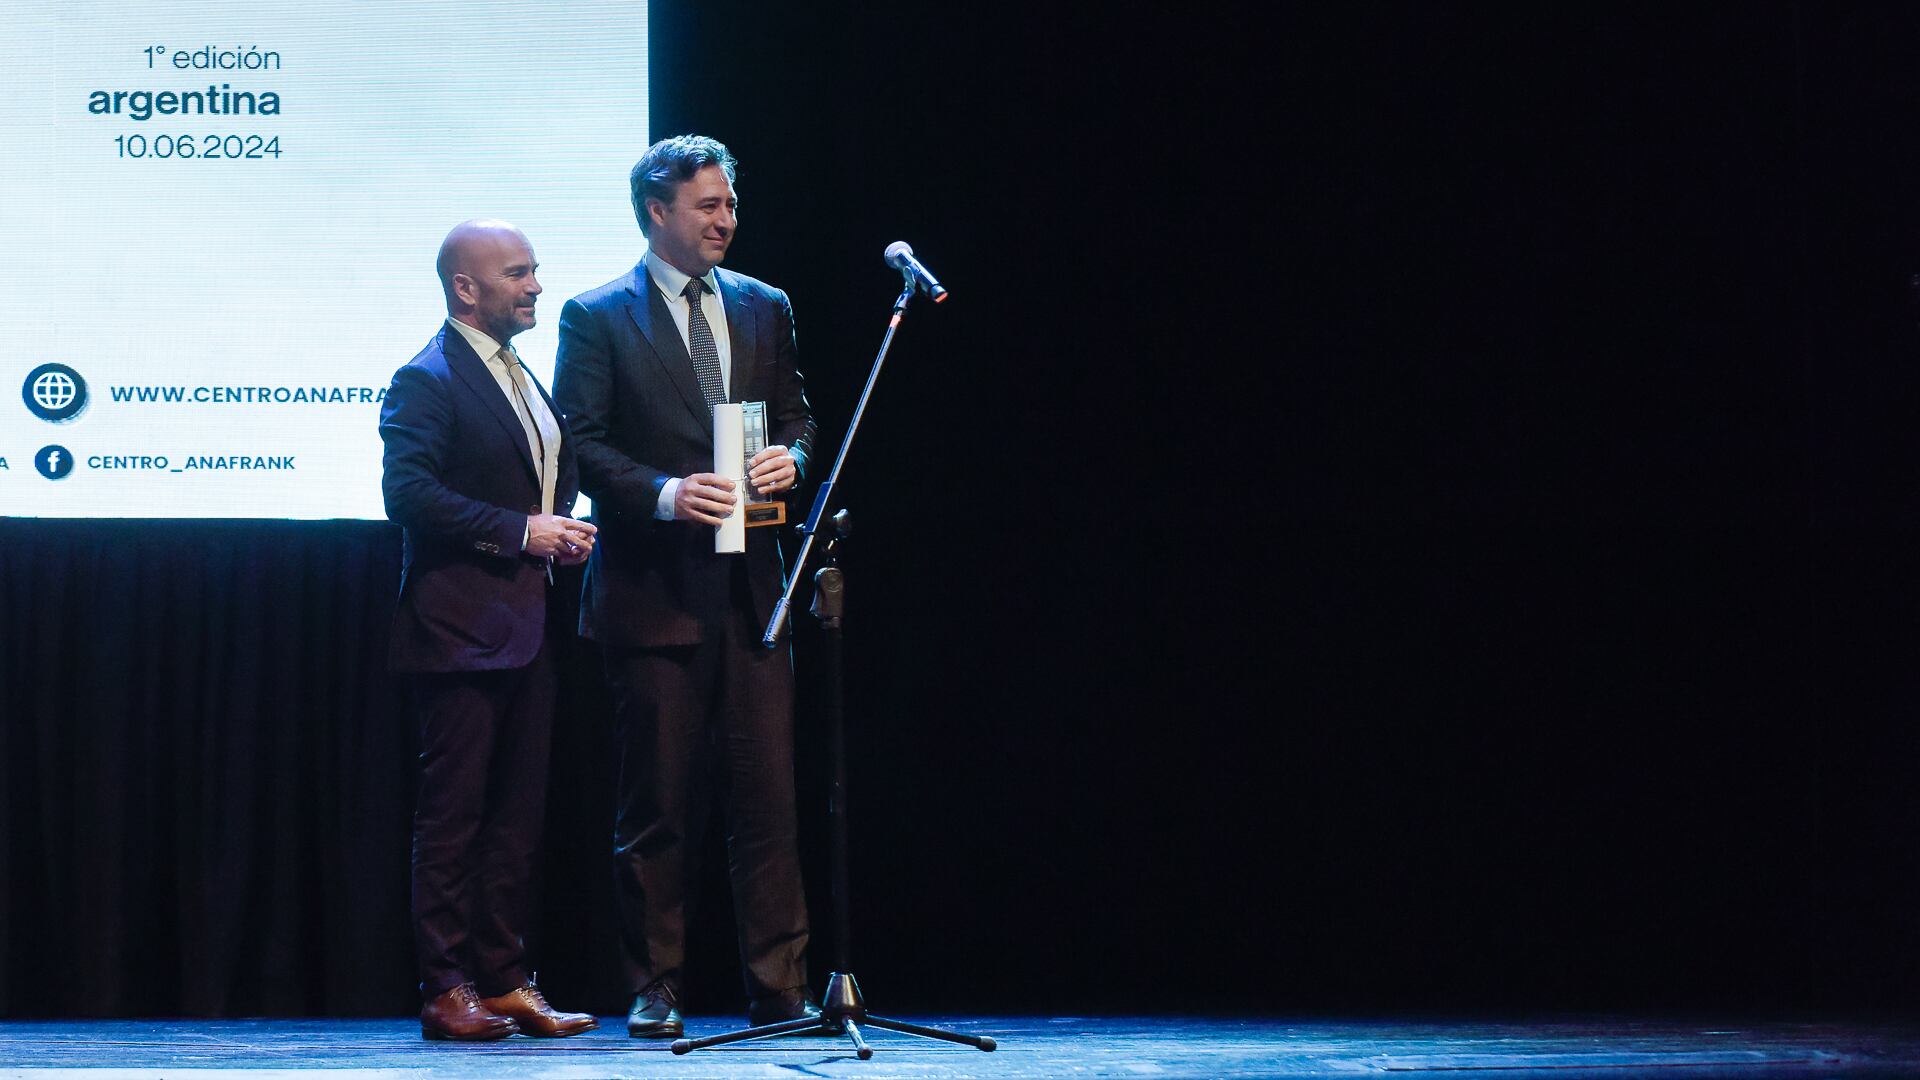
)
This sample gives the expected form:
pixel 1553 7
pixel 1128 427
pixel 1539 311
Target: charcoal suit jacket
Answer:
pixel 633 402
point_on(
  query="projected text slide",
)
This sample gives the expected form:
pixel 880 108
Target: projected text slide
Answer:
pixel 225 217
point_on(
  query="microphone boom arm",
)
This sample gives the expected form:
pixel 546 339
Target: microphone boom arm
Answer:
pixel 823 498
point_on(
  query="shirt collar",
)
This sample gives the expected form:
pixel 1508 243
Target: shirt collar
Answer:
pixel 672 280
pixel 488 348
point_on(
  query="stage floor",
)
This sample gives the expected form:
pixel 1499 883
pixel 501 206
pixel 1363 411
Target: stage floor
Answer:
pixel 1029 1047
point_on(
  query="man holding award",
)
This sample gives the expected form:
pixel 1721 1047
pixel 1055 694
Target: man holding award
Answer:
pixel 677 600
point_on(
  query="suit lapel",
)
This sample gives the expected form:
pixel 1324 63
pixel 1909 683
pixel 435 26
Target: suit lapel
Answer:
pixel 742 339
pixel 650 314
pixel 467 365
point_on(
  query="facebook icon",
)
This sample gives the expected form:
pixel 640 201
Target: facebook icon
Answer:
pixel 54 462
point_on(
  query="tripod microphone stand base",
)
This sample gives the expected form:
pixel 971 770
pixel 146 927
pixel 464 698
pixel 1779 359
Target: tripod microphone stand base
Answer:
pixel 841 1013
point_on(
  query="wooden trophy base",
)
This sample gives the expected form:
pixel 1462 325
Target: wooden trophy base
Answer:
pixel 766 513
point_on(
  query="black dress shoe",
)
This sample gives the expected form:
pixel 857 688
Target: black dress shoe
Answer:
pixel 794 1004
pixel 655 1013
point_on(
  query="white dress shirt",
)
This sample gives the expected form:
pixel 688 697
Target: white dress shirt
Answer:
pixel 542 430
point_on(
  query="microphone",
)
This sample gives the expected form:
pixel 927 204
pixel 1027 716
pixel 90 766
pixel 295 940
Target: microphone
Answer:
pixel 900 257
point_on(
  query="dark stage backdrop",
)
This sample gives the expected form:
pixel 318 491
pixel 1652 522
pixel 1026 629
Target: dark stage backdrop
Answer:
pixel 1407 508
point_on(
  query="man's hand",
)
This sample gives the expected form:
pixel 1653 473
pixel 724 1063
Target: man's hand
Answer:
pixel 704 497
pixel 562 539
pixel 772 470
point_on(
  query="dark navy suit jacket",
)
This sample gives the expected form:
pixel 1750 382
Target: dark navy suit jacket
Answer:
pixel 459 478
pixel 633 403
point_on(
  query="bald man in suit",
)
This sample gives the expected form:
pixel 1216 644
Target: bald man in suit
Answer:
pixel 480 472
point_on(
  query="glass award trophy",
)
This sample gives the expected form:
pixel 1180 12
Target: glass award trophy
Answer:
pixel 760 509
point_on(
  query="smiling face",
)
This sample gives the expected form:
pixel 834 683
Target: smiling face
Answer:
pixel 694 230
pixel 492 287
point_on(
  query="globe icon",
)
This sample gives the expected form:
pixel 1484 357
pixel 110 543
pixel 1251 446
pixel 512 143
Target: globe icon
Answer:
pixel 54 391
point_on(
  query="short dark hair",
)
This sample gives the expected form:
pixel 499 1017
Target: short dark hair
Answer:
pixel 669 163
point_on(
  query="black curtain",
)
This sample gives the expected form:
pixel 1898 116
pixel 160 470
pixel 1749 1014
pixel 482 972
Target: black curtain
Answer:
pixel 204 767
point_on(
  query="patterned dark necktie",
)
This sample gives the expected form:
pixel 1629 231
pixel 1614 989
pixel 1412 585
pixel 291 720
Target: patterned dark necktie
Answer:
pixel 706 356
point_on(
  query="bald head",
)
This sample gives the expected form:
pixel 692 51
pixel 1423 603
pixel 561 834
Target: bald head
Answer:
pixel 486 269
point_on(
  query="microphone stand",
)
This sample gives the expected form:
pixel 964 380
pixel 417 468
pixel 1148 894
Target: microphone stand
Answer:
pixel 811 529
pixel 843 1010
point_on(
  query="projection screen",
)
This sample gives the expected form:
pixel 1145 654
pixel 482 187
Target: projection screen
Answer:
pixel 222 220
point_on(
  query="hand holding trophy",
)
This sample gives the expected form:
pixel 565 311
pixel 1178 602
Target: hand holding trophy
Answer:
pixel 739 441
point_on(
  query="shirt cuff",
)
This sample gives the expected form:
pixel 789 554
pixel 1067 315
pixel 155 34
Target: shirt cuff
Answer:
pixel 663 509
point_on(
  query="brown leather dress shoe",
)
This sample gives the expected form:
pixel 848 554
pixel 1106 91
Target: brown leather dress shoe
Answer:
pixel 458 1014
pixel 527 1007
